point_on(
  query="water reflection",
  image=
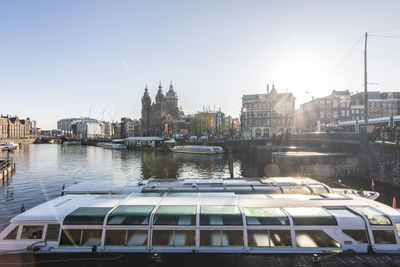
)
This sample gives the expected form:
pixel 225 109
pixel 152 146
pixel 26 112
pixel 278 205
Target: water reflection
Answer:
pixel 42 170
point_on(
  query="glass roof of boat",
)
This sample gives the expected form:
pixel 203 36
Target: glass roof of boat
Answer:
pixel 148 194
pixel 111 197
pixel 374 216
pixel 86 216
pixel 265 216
pixel 175 215
pixel 261 196
pixel 311 216
pixel 341 212
pixel 130 215
pixel 204 194
pixel 220 215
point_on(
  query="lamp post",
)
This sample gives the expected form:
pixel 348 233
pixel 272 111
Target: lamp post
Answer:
pixel 365 83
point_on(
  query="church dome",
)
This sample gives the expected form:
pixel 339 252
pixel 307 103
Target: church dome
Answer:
pixel 171 93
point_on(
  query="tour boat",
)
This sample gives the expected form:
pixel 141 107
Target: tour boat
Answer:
pixel 203 150
pixel 278 217
pixel 205 223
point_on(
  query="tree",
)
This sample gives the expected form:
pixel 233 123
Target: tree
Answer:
pixel 202 123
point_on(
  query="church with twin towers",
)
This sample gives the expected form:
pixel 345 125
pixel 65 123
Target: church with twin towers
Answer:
pixel 162 116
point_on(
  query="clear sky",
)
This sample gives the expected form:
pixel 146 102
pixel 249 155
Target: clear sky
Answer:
pixel 59 58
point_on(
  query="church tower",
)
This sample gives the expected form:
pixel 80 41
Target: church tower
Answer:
pixel 171 102
pixel 158 110
pixel 160 95
pixel 146 110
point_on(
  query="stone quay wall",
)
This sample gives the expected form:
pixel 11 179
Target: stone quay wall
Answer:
pixel 384 163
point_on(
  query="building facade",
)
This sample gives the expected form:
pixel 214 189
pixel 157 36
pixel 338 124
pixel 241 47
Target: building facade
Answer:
pixel 14 128
pixel 163 116
pixel 266 115
pixel 126 128
pixel 219 122
pixel 321 113
pixel 84 128
pixel 385 104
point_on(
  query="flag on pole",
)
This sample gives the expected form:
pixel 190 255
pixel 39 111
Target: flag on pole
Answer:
pixel 373 184
pixel 166 127
pixel 394 203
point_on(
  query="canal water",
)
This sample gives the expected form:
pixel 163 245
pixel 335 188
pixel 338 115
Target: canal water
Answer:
pixel 42 170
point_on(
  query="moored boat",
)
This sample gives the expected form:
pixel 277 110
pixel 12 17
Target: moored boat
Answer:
pixel 205 222
pixel 114 146
pixel 203 150
pixel 8 147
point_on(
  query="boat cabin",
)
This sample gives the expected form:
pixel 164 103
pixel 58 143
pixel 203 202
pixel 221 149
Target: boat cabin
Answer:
pixel 206 222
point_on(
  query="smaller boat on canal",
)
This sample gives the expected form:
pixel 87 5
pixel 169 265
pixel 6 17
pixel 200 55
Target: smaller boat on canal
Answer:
pixel 9 147
pixel 203 150
pixel 115 144
pixel 71 143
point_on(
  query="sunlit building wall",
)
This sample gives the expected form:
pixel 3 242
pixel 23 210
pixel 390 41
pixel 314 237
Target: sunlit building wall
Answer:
pixel 266 115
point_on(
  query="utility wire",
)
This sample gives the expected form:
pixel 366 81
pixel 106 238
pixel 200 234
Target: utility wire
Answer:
pixel 347 54
pixel 384 36
pixel 387 30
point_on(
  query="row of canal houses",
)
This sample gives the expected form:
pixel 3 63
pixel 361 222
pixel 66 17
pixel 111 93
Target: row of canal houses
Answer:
pixel 14 127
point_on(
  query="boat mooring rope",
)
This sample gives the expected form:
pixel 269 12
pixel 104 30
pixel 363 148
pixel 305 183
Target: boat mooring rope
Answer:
pixel 64 260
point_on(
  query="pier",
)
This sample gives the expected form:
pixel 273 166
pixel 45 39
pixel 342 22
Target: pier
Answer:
pixel 7 168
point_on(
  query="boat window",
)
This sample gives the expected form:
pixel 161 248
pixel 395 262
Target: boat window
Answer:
pixel 269 238
pixel 32 232
pixel 311 216
pixel 115 238
pixel 220 215
pixel 175 215
pixel 358 235
pixel 280 238
pixel 221 238
pixel 71 237
pixel 384 237
pixel 398 228
pixel 137 238
pixel 293 189
pixel 52 232
pixel 80 237
pixel 12 234
pixel 91 237
pixel 130 215
pixel 258 238
pixel 173 238
pixel 374 216
pixel 262 189
pixel 86 216
pixel 318 189
pixel 126 238
pixel 314 238
pixel 265 216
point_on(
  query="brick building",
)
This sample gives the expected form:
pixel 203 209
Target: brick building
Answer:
pixel 13 127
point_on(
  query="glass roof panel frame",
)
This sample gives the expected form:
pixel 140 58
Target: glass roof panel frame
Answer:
pixel 87 216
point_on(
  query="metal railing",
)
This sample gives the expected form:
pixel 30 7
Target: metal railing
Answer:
pixel 6 163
